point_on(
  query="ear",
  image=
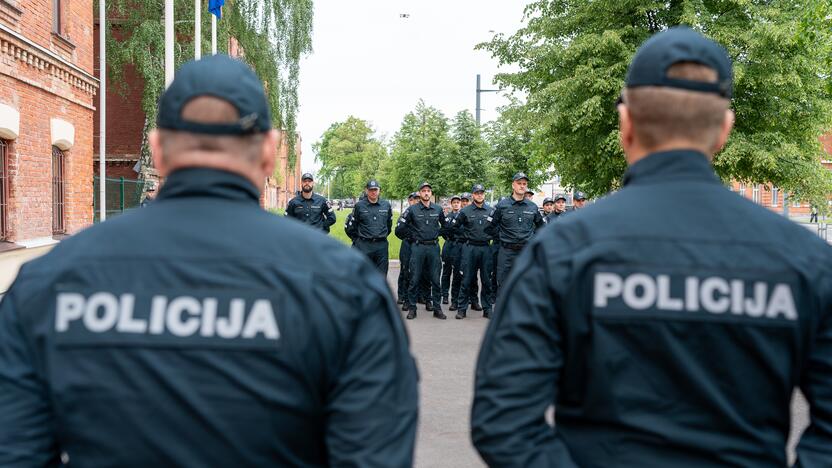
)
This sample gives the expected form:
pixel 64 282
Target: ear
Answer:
pixel 268 153
pixel 625 126
pixel 156 153
pixel 727 126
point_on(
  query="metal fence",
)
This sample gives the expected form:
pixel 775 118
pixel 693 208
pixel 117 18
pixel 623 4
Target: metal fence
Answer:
pixel 122 194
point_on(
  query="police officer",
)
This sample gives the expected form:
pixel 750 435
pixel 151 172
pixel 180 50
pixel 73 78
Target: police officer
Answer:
pixel 425 221
pixel 474 292
pixel 404 253
pixel 473 223
pixel 529 194
pixel 466 199
pixel 451 254
pixel 166 338
pixel 309 207
pixel 578 201
pixel 548 207
pixel 558 208
pixel 515 220
pixel 678 339
pixel 373 221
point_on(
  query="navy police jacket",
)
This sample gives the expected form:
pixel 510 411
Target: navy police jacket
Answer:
pixel 422 223
pixel 372 220
pixel 669 325
pixel 515 222
pixel 473 222
pixel 204 331
pixel 314 211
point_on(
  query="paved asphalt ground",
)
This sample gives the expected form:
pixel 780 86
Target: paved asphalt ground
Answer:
pixel 446 353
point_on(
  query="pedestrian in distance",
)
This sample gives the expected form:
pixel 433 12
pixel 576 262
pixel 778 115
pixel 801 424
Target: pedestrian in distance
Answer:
pixel 668 323
pixel 473 224
pixel 310 208
pixel 372 222
pixel 150 195
pixel 201 330
pixel 425 221
pixel 515 220
pixel 813 216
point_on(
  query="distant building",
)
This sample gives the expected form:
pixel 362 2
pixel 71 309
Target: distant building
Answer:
pixel 47 89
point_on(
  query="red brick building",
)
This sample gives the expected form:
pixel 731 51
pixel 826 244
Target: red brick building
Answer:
pixel 47 87
pixel 772 198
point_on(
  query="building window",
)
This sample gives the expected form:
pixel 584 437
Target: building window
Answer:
pixel 741 190
pixel 755 193
pixel 58 192
pixel 4 190
pixel 775 196
pixel 57 20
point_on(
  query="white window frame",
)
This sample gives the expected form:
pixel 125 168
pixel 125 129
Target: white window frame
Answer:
pixel 741 190
pixel 775 196
pixel 755 193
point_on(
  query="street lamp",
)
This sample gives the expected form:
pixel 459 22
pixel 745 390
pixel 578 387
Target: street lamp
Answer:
pixel 480 91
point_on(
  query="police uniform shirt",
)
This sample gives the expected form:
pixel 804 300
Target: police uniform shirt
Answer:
pixel 425 223
pixel 554 216
pixel 473 223
pixel 373 220
pixel 668 324
pixel 514 222
pixel 315 211
pixel 449 233
pixel 165 338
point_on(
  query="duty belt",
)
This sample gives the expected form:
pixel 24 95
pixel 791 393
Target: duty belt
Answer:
pixel 478 243
pixel 369 239
pixel 425 242
pixel 511 246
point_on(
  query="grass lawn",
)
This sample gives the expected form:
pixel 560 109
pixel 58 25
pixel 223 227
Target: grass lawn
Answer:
pixel 337 231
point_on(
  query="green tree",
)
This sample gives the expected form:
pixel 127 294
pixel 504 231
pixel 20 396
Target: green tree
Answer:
pixel 513 149
pixel 573 55
pixel 419 150
pixel 273 34
pixel 467 162
pixel 350 155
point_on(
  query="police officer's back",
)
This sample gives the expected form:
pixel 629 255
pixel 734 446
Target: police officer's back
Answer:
pixel 668 323
pixel 202 330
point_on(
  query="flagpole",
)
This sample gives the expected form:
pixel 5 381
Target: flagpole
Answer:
pixel 197 29
pixel 102 110
pixel 169 64
pixel 213 34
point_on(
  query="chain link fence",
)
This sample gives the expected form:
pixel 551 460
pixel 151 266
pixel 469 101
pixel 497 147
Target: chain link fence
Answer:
pixel 122 194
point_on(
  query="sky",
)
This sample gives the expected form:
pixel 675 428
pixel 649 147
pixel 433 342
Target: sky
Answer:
pixel 370 62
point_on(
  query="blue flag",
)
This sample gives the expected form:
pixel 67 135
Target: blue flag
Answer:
pixel 215 7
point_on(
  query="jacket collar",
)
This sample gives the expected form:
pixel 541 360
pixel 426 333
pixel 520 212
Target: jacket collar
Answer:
pixel 671 165
pixel 204 182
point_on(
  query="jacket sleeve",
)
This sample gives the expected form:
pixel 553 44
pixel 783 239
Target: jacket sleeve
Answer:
pixel 815 447
pixel 372 404
pixel 403 226
pixel 518 372
pixel 389 219
pixel 328 214
pixel 494 223
pixel 350 227
pixel 539 221
pixel 26 419
pixel 458 224
pixel 290 208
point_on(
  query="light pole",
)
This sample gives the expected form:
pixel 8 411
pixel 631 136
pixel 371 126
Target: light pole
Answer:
pixel 480 91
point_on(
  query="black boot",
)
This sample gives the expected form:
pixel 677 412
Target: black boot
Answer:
pixel 429 307
pixel 444 300
pixel 400 301
pixel 437 312
pixel 476 306
pixel 452 307
pixel 486 314
pixel 460 315
pixel 412 314
pixel 405 307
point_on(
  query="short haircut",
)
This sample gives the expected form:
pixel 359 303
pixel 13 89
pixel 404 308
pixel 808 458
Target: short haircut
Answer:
pixel 661 114
pixel 210 110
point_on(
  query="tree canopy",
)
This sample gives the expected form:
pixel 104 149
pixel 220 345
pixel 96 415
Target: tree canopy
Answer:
pixel 573 55
pixel 350 155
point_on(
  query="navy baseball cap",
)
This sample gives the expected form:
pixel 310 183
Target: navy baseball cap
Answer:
pixel 413 195
pixel 547 200
pixel 579 196
pixel 560 196
pixel 466 196
pixel 373 184
pixel 477 188
pixel 530 191
pixel 222 77
pixel 521 175
pixel 680 44
pixel 425 184
pixel 307 175
pixel 456 197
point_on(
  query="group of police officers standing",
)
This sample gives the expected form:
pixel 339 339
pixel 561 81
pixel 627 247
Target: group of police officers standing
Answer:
pixel 480 241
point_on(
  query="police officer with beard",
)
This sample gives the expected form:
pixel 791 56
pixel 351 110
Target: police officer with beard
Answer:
pixel 516 218
pixel 424 221
pixel 668 323
pixel 472 223
pixel 163 337
pixel 372 221
pixel 309 207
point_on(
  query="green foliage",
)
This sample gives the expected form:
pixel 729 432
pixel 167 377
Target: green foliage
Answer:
pixel 572 57
pixel 273 35
pixel 513 149
pixel 350 156
pixel 418 151
pixel 467 162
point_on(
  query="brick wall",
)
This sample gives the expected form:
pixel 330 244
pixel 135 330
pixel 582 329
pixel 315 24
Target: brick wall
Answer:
pixel 47 76
pixel 277 193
